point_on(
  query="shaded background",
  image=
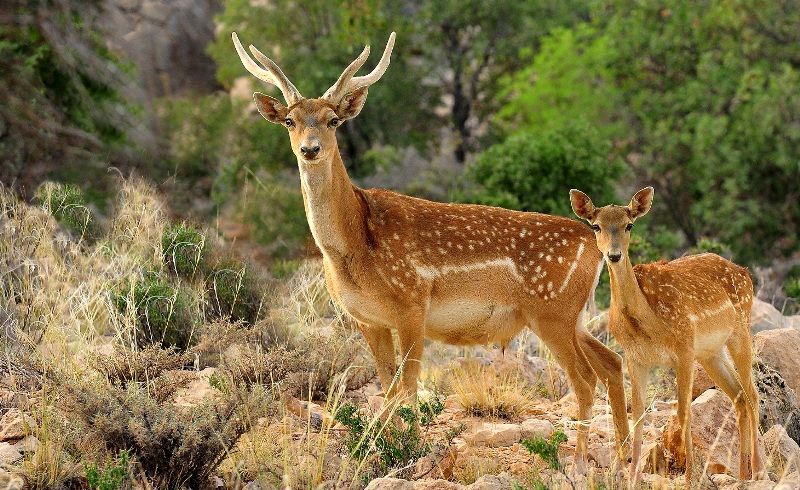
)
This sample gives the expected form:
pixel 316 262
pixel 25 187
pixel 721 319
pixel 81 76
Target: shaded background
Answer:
pixel 506 103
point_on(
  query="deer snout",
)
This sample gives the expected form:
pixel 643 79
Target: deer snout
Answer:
pixel 310 150
pixel 614 256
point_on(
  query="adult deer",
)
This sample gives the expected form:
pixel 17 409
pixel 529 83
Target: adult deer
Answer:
pixel 461 274
pixel 671 313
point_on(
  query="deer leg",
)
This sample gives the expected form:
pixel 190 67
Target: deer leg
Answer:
pixel 721 370
pixel 741 351
pixel 639 375
pixel 571 358
pixel 685 376
pixel 411 347
pixel 608 366
pixel 379 340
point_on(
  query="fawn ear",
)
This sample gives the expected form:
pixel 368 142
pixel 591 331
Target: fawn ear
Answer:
pixel 582 205
pixel 269 107
pixel 351 104
pixel 640 203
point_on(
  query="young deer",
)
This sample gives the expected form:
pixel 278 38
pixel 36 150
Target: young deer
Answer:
pixel 461 274
pixel 671 313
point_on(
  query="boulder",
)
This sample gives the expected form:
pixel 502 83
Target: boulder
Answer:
pixel 536 428
pixel 764 316
pixel 494 435
pixel 779 349
pixel 15 425
pixel 777 401
pixel 783 453
pixel 9 454
pixel 9 481
pixel 715 434
pixel 493 482
pixel 390 484
pixel 702 381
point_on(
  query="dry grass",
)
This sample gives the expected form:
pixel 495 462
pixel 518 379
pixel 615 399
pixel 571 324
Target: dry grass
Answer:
pixel 485 391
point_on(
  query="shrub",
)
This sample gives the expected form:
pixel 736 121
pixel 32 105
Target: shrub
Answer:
pixel 712 245
pixel 547 449
pixel 67 204
pixel 534 171
pixel 791 286
pixel 109 478
pixel 233 292
pixel 184 249
pixel 483 391
pixel 392 445
pixel 163 313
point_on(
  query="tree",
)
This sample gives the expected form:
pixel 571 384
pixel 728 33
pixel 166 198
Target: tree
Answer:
pixel 470 44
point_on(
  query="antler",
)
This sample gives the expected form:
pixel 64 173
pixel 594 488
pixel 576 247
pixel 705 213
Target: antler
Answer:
pixel 271 74
pixel 347 84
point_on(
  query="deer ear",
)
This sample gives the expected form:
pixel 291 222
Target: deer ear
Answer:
pixel 640 203
pixel 351 104
pixel 582 205
pixel 269 107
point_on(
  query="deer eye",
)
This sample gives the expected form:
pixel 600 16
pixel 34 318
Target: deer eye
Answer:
pixel 628 227
pixel 333 122
pixel 596 228
pixel 288 122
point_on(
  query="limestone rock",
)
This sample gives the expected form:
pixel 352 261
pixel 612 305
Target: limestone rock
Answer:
pixel 494 435
pixel 779 350
pixel 602 454
pixel 783 453
pixel 198 390
pixel 536 428
pixel 702 381
pixel 15 425
pixel 437 485
pixel 156 11
pixel 9 481
pixel 9 454
pixel 493 482
pixel 764 316
pixel 715 435
pixel 27 444
pixel 390 484
pixel 777 401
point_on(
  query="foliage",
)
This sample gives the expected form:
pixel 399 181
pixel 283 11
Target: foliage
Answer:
pixel 711 245
pixel 791 286
pixel 547 449
pixel 233 292
pixel 67 204
pixel 389 445
pixel 61 107
pixel 111 477
pixel 184 249
pixel 163 312
pixel 534 172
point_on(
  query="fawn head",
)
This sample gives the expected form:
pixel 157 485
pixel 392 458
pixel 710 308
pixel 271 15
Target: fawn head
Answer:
pixel 612 224
pixel 312 123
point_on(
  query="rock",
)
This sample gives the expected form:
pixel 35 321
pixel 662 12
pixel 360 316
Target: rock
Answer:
pixel 494 435
pixel 438 484
pixel 777 401
pixel 702 381
pixel 655 458
pixel 9 481
pixel 198 390
pixel 602 454
pixel 15 425
pixel 242 89
pixel 536 428
pixel 390 484
pixel 779 349
pixel 715 435
pixel 493 482
pixel 127 4
pixel 721 479
pixel 156 11
pixel 545 374
pixel 9 454
pixel 28 444
pixel 783 453
pixel 764 316
pixel 750 485
pixel 439 464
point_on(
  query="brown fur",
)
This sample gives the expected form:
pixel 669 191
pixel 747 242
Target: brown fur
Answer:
pixel 673 313
pixel 461 274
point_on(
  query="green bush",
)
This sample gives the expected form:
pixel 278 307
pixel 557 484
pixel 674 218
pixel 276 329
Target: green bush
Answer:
pixel 184 249
pixel 164 313
pixel 712 245
pixel 233 292
pixel 392 446
pixel 67 204
pixel 535 171
pixel 547 449
pixel 109 478
pixel 791 286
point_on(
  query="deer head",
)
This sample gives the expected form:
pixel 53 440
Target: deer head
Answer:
pixel 612 224
pixel 312 123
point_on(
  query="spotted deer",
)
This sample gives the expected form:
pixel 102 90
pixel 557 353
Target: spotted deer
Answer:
pixel 456 273
pixel 670 314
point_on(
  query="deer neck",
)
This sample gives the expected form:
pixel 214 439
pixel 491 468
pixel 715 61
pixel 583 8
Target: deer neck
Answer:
pixel 626 295
pixel 333 207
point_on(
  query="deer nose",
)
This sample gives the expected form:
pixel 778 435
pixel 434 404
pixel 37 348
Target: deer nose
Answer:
pixel 614 257
pixel 309 152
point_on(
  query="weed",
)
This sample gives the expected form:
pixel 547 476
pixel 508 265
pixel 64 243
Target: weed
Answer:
pixel 547 449
pixel 163 312
pixel 233 292
pixel 111 477
pixel 67 204
pixel 184 249
pixel 482 391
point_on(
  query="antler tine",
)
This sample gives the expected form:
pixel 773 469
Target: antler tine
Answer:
pixel 272 74
pixel 334 92
pixel 347 84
